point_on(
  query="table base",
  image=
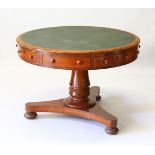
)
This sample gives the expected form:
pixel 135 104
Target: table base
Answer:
pixel 94 112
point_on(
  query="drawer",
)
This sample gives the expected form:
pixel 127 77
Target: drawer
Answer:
pixel 129 57
pixel 113 60
pixel 30 56
pixel 104 61
pixel 66 61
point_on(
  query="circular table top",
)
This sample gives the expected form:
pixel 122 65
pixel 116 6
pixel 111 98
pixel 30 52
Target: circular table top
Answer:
pixel 78 47
pixel 78 39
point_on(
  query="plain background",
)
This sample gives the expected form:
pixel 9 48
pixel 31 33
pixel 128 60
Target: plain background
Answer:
pixel 128 91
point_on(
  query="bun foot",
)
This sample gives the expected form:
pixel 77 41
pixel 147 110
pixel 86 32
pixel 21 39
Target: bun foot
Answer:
pixel 98 98
pixel 30 115
pixel 111 131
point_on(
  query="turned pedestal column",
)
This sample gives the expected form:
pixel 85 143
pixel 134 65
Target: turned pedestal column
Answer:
pixel 79 90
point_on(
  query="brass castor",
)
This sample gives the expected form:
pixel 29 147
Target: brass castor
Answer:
pixel 111 131
pixel 98 97
pixel 30 115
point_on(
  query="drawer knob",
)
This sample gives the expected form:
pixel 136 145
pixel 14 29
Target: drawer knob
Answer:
pixel 139 46
pixel 31 56
pixel 106 62
pixel 79 62
pixel 19 49
pixel 52 60
pixel 126 57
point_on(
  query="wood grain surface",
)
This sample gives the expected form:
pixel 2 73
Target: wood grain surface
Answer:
pixel 78 49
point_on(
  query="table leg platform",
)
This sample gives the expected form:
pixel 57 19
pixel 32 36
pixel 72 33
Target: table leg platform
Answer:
pixel 93 113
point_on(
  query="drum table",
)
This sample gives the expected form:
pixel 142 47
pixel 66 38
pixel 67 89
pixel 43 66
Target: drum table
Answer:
pixel 79 49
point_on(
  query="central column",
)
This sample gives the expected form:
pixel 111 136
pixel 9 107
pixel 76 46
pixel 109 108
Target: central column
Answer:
pixel 79 90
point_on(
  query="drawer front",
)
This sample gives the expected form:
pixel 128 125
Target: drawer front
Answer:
pixel 113 60
pixel 30 56
pixel 67 61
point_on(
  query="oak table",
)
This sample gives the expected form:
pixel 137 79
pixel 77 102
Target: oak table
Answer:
pixel 78 48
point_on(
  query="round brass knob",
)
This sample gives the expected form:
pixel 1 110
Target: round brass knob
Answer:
pixel 106 62
pixel 52 60
pixel 79 62
pixel 126 57
pixel 31 56
pixel 19 51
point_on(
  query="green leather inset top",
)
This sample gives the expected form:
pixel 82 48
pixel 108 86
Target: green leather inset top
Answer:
pixel 78 38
